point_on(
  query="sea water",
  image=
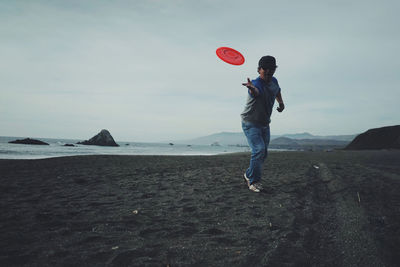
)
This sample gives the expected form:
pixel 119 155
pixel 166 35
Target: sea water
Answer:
pixel 56 148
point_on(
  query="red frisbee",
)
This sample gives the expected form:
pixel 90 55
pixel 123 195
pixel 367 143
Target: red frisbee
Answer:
pixel 230 55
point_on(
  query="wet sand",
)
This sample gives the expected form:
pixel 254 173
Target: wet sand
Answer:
pixel 339 208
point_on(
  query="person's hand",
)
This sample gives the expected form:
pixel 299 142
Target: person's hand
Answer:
pixel 281 107
pixel 249 84
pixel 252 89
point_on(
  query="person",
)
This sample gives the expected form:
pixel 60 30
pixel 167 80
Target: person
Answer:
pixel 262 93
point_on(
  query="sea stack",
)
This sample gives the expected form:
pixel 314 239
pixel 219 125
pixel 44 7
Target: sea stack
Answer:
pixel 378 138
pixel 29 141
pixel 103 138
pixel 69 145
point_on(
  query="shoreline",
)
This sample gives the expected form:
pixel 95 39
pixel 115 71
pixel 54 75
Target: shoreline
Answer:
pixel 270 151
pixel 19 151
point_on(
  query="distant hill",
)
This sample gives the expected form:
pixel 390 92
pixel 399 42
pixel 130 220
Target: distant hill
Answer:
pixel 307 144
pixel 325 137
pixel 223 138
pixel 378 138
pixel 299 136
pixel 238 138
pixel 283 141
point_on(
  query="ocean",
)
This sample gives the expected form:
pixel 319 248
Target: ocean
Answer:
pixel 56 148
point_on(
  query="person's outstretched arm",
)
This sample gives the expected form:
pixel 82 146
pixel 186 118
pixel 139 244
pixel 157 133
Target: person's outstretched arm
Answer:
pixel 253 90
pixel 280 101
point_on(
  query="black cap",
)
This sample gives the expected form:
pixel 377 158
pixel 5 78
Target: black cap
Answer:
pixel 267 62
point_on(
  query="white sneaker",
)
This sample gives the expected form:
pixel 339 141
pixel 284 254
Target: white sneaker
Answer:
pixel 247 180
pixel 258 186
pixel 254 188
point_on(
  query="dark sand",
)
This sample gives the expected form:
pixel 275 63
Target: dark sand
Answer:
pixel 197 211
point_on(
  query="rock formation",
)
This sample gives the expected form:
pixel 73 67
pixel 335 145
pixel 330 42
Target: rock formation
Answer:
pixel 378 138
pixel 69 145
pixel 28 141
pixel 103 138
pixel 216 144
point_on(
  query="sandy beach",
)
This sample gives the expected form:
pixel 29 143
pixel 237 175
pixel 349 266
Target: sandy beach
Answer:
pixel 338 208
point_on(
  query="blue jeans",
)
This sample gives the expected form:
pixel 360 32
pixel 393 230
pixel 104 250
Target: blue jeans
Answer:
pixel 258 138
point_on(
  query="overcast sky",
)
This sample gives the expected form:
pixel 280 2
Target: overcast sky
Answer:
pixel 146 70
